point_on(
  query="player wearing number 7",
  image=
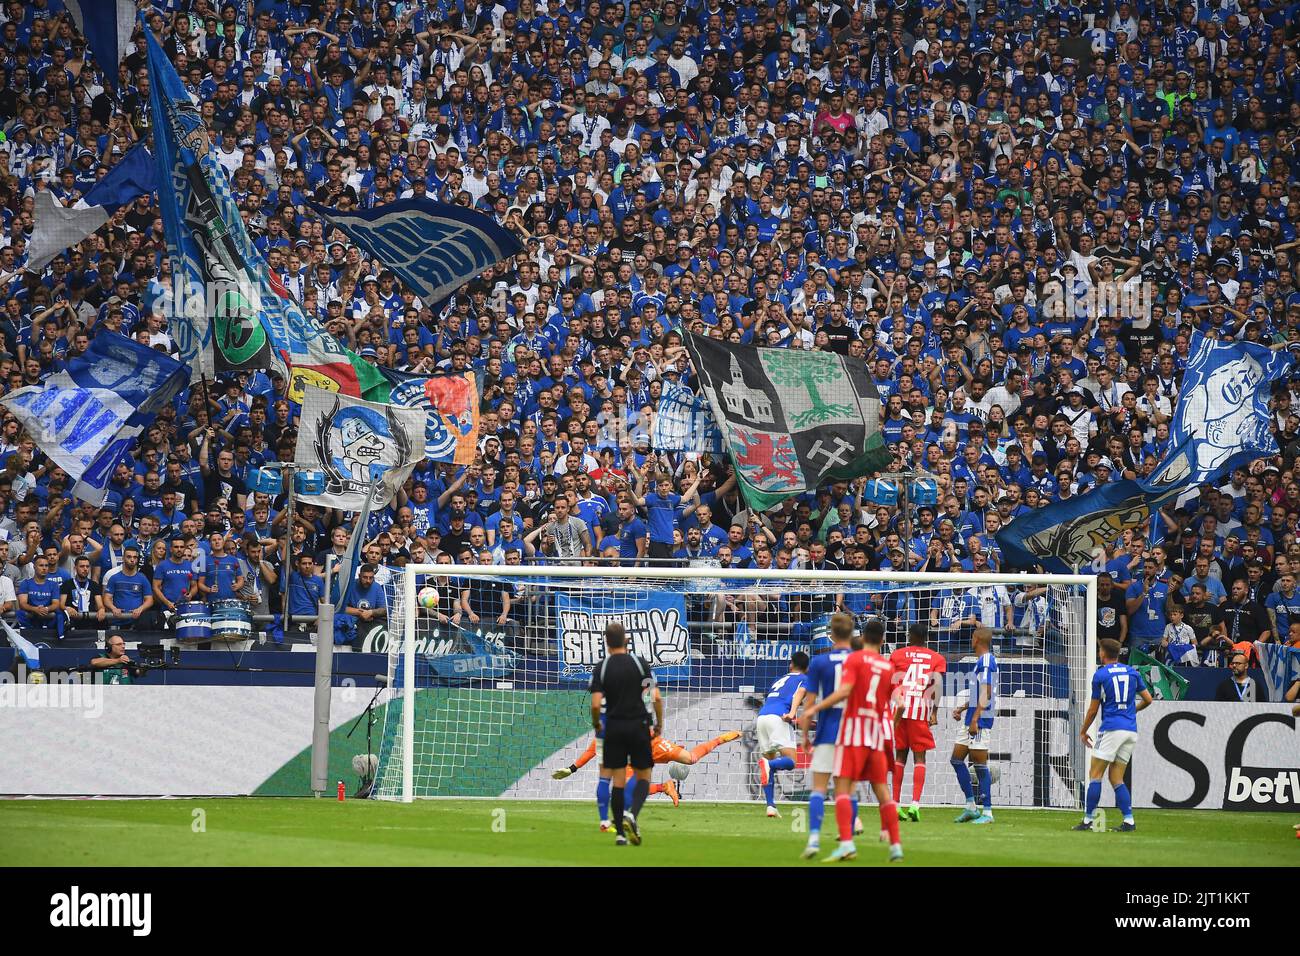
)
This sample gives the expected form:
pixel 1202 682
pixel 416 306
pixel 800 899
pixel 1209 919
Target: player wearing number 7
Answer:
pixel 1119 692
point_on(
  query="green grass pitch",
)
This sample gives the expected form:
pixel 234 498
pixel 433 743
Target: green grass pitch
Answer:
pixel 253 831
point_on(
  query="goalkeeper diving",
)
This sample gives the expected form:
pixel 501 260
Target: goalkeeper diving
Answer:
pixel 662 750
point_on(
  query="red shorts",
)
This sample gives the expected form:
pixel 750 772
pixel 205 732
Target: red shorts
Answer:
pixel 914 735
pixel 862 763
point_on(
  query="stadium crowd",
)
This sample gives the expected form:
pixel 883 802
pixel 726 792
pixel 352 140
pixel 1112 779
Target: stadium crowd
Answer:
pixel 1014 213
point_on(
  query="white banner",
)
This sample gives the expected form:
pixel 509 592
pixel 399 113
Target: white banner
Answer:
pixel 351 441
pixel 1217 756
pixel 133 740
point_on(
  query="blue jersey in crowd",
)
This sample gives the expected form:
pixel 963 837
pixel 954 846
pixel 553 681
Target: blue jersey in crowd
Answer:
pixel 38 595
pixel 1148 622
pixel 173 578
pixel 221 574
pixel 128 590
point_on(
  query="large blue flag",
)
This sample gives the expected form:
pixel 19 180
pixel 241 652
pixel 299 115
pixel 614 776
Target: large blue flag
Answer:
pixel 1222 422
pixel 86 416
pixel 107 26
pixel 433 247
pixel 214 305
pixel 228 310
pixel 57 227
pixel 1073 535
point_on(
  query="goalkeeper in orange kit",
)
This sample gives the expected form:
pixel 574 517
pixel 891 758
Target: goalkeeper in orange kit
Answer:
pixel 663 751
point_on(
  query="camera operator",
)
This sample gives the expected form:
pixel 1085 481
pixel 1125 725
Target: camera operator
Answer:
pixel 116 668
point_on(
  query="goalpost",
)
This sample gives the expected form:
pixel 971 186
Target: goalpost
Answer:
pixel 490 708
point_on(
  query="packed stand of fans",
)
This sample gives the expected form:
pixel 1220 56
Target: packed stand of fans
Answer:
pixel 1013 214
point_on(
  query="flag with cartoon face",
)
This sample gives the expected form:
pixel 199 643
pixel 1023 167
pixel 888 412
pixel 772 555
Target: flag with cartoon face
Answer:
pixel 364 449
pixel 1222 422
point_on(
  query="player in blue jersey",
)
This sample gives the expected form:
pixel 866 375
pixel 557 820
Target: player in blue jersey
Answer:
pixel 1119 692
pixel 977 729
pixel 823 680
pixel 775 727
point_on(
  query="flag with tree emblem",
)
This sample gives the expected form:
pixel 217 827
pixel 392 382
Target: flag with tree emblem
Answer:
pixel 791 419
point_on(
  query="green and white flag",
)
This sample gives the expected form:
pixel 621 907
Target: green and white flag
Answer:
pixel 1165 682
pixel 791 419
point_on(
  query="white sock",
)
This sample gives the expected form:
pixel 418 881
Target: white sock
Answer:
pixel 970 805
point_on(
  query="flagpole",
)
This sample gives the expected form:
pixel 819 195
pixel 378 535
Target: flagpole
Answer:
pixel 288 471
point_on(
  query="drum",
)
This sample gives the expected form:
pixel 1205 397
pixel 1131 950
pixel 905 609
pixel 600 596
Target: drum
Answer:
pixel 925 491
pixel 265 480
pixel 309 482
pixel 193 622
pixel 231 621
pixel 880 492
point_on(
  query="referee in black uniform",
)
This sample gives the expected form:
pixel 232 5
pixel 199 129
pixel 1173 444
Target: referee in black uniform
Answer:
pixel 623 689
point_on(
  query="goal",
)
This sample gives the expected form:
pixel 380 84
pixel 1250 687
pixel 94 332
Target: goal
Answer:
pixel 489 708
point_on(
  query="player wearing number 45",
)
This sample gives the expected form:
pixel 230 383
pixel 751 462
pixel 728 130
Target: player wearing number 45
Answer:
pixel 920 668
pixel 775 730
pixel 1119 692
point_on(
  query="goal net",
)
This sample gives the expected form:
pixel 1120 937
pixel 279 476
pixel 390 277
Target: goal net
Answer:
pixel 489 707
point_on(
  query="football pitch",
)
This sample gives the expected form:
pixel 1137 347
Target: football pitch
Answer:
pixel 251 831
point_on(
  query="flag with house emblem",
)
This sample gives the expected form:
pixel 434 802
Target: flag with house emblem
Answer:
pixel 791 419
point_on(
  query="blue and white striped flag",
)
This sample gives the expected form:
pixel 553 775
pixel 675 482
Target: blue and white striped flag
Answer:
pixel 107 26
pixel 29 652
pixel 1281 667
pixel 433 247
pixel 684 422
pixel 86 416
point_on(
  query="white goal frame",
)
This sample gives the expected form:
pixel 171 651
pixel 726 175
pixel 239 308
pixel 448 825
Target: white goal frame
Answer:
pixel 642 574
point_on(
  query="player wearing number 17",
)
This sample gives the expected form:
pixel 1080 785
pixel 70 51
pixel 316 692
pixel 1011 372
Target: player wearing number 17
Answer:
pixel 865 747
pixel 1119 692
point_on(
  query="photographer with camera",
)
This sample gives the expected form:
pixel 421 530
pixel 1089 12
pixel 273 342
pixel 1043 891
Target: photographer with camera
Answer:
pixel 116 668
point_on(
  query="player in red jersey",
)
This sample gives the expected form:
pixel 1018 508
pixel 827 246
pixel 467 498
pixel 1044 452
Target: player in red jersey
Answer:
pixel 864 749
pixel 916 669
